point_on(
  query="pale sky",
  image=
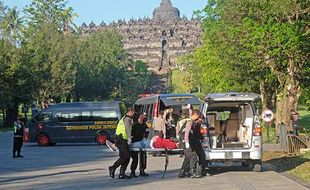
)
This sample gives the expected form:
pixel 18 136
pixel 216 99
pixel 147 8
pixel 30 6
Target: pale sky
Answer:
pixel 109 10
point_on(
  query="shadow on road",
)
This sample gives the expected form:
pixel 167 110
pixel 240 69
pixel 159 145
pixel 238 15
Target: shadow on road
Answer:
pixel 287 163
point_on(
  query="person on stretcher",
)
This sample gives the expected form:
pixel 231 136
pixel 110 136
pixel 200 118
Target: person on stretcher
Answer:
pixel 154 143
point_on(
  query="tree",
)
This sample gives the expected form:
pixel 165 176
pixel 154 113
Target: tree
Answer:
pixel 49 11
pixel 53 58
pixel 12 25
pixel 136 81
pixel 101 65
pixel 257 45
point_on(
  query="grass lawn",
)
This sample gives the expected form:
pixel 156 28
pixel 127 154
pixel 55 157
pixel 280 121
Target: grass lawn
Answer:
pixel 298 166
pixel 304 117
pixel 177 82
pixel 272 135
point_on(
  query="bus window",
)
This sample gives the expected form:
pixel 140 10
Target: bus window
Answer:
pixel 150 112
pixel 138 109
pixel 144 109
pixel 43 117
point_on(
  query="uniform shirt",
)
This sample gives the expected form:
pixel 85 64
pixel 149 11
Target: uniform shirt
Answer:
pixel 138 132
pixel 159 124
pixel 188 130
pixel 180 124
pixel 128 125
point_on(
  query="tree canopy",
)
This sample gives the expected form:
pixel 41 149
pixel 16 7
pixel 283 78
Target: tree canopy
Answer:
pixel 255 46
pixel 41 60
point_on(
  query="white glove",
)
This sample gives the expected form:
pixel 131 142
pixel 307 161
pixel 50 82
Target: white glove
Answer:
pixel 129 141
pixel 187 146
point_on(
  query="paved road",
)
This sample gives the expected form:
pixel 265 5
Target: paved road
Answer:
pixel 84 166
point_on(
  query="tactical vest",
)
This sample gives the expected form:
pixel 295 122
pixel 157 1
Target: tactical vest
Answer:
pixel 18 129
pixel 121 130
pixel 182 131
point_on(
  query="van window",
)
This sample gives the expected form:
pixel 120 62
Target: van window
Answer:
pixel 223 116
pixel 86 116
pixel 43 116
pixel 103 115
pixel 68 117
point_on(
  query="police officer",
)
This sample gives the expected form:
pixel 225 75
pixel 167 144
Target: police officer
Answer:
pixel 18 138
pixel 123 139
pixel 190 156
pixel 197 147
pixel 139 132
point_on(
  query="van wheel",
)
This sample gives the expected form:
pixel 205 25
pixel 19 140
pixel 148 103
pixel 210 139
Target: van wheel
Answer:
pixel 101 139
pixel 43 140
pixel 257 168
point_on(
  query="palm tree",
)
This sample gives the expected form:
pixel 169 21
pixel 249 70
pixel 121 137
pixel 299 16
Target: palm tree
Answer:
pixel 12 25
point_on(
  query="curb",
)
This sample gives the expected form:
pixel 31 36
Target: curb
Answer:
pixel 298 180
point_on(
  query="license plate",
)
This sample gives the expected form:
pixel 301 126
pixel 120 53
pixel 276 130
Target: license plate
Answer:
pixel 229 155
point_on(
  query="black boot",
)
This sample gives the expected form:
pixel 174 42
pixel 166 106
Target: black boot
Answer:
pixel 14 155
pixel 122 175
pixel 112 171
pixel 182 174
pixel 133 174
pixel 203 171
pixel 142 173
pixel 187 174
pixel 19 155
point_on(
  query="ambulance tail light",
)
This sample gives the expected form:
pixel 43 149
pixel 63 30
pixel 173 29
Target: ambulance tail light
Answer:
pixel 257 130
pixel 26 135
pixel 204 130
pixel 40 126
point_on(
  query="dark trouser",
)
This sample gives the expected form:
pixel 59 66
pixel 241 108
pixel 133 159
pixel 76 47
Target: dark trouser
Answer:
pixel 190 160
pixel 142 162
pixel 17 146
pixel 171 133
pixel 295 130
pixel 202 159
pixel 124 155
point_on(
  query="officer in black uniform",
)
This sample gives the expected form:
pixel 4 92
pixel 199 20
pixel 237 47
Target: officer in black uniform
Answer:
pixel 139 131
pixel 18 138
pixel 197 147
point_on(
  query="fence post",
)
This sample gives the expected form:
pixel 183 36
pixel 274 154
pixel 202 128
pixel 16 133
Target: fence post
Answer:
pixel 283 136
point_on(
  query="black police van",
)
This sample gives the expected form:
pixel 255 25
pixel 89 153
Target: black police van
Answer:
pixel 75 122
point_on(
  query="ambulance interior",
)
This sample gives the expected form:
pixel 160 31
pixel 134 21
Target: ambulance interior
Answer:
pixel 230 125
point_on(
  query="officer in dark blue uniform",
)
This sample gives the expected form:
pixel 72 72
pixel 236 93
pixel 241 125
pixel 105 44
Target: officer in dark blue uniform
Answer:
pixel 18 138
